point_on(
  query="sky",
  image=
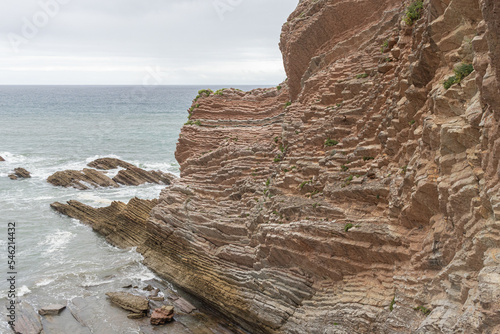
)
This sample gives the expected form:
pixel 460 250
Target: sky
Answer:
pixel 123 42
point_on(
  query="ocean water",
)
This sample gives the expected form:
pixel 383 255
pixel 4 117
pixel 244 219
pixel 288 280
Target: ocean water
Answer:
pixel 45 129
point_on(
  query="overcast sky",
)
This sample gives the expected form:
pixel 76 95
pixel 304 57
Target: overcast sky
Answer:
pixel 142 41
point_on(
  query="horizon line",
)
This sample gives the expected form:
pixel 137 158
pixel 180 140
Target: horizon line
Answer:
pixel 137 85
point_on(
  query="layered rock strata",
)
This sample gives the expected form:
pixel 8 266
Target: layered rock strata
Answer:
pixel 123 225
pixel 89 177
pixel 360 196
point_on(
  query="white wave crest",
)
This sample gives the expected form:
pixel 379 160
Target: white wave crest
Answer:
pixel 57 241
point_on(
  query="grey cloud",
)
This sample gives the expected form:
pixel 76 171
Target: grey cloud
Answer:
pixel 177 35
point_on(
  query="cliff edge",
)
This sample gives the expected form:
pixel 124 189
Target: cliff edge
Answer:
pixel 359 196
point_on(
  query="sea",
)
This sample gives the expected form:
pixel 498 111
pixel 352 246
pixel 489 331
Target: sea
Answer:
pixel 46 129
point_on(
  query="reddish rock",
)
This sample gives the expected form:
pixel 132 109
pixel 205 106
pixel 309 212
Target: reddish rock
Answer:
pixel 2 159
pixel 162 315
pixel 27 320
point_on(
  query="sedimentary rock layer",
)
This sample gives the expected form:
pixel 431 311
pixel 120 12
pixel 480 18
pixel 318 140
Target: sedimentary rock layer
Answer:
pixel 359 196
pixel 89 177
pixel 123 225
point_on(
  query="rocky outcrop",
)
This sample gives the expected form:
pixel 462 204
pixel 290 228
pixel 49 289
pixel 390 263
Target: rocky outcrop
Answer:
pixel 127 301
pixel 162 315
pixel 20 173
pixel 361 195
pixel 81 180
pixel 109 163
pixel 123 225
pixel 87 178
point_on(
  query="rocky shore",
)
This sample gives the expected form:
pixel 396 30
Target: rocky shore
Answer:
pixel 133 307
pixel 92 177
pixel 359 196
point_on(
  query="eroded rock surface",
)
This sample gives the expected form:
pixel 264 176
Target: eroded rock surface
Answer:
pixel 259 222
pixel 134 176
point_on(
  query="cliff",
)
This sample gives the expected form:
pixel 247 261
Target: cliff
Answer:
pixel 359 196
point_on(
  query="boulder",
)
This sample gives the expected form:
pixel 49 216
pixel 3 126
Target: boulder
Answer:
pixel 53 309
pixel 2 159
pixel 162 315
pixel 20 173
pixel 109 163
pixel 130 302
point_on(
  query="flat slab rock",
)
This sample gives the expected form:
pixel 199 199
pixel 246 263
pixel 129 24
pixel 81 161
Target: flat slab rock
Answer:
pixel 53 309
pixel 88 177
pixel 184 305
pixel 130 302
pixel 27 320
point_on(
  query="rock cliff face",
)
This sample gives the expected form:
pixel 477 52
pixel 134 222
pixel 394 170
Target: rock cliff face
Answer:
pixel 360 197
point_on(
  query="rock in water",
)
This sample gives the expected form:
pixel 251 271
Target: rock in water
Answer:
pixel 109 163
pixel 53 309
pixel 2 159
pixel 130 302
pixel 131 176
pixel 27 320
pixel 123 225
pixel 162 315
pixel 81 179
pixel 134 176
pixel 20 173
